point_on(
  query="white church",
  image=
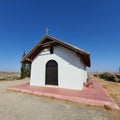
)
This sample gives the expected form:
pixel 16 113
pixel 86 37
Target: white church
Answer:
pixel 58 64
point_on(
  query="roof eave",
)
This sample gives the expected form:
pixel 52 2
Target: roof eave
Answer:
pixel 27 58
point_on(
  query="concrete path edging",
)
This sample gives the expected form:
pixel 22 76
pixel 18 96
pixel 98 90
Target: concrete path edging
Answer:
pixel 96 96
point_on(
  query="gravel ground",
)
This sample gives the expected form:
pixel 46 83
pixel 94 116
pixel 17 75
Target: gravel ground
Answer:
pixel 20 106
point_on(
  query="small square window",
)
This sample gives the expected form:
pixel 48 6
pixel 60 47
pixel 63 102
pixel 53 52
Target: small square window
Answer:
pixel 51 50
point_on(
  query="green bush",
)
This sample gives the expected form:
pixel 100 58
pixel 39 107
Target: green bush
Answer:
pixel 118 78
pixel 25 68
pixel 9 78
pixel 107 76
pixel 95 75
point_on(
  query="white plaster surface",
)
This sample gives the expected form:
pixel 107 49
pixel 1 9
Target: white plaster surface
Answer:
pixel 71 70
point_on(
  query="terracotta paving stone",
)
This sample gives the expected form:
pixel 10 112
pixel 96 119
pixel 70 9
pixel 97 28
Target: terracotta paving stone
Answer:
pixel 92 95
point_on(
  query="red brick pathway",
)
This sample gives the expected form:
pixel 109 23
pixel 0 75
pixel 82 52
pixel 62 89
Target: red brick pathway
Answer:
pixel 92 95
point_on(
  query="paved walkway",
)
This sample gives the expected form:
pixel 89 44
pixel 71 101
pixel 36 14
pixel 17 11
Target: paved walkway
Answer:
pixel 19 106
pixel 92 95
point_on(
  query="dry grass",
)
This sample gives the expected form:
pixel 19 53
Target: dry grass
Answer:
pixel 113 89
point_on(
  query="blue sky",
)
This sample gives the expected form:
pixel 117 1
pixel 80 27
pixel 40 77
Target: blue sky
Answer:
pixel 93 25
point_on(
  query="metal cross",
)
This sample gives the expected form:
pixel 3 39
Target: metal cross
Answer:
pixel 47 31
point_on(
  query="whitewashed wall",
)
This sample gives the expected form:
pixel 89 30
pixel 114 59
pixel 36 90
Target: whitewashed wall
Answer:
pixel 71 73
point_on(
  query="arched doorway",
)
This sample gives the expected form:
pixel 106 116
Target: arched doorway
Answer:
pixel 51 73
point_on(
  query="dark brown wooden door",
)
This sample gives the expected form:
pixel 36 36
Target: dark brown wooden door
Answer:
pixel 51 73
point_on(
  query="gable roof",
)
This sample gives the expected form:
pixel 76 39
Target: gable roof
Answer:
pixel 48 41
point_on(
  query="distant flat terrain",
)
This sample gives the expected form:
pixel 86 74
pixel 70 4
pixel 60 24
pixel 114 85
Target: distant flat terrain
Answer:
pixel 4 74
pixel 9 75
